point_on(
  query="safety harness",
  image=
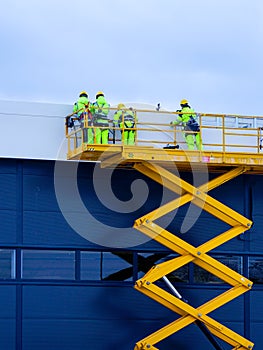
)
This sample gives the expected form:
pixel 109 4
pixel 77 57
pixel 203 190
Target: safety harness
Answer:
pixel 192 125
pixel 100 119
pixel 127 118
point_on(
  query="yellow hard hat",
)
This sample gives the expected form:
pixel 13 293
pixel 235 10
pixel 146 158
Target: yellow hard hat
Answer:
pixel 120 106
pixel 83 93
pixel 100 93
pixel 183 102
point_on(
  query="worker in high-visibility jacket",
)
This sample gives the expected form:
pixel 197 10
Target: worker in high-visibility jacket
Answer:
pixel 187 118
pixel 125 119
pixel 81 109
pixel 100 111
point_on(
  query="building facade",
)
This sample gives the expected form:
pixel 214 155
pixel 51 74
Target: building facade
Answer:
pixel 67 274
pixel 61 291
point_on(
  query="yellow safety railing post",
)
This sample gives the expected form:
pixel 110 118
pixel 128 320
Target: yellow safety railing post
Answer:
pixel 135 128
pixel 122 127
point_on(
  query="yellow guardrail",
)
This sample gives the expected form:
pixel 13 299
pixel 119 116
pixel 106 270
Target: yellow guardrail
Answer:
pixel 219 132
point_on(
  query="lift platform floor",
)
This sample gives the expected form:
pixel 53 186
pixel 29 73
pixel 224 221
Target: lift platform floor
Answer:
pixel 185 160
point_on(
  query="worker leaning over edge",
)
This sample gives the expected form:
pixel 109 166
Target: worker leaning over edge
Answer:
pixel 81 108
pixel 187 118
pixel 100 111
pixel 125 118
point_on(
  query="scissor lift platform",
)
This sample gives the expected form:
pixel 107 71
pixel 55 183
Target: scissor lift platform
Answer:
pixel 162 164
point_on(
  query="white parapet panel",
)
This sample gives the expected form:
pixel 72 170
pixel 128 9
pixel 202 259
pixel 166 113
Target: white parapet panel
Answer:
pixel 33 130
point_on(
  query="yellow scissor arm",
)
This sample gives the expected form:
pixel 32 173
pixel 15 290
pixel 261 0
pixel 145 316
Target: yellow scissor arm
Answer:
pixel 188 253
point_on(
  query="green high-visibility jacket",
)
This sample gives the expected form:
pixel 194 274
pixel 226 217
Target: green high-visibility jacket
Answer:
pixel 80 105
pixel 100 106
pixel 184 117
pixel 127 115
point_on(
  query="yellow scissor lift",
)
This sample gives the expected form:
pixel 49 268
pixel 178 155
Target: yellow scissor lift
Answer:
pixel 158 164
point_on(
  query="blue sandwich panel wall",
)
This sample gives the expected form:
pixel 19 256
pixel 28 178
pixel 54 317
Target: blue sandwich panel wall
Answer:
pixel 8 317
pixel 59 290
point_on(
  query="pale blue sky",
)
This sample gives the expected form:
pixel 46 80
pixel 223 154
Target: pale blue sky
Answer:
pixel 149 51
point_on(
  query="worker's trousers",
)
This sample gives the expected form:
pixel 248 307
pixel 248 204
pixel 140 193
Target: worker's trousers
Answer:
pixel 192 140
pixel 101 136
pixel 128 136
pixel 88 136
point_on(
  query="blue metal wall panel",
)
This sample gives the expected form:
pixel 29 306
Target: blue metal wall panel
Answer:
pixel 8 219
pixel 256 334
pixel 86 335
pixel 95 302
pixel 8 302
pixel 101 315
pixel 7 191
pixel 7 334
pixel 8 166
pixel 256 302
pixel 256 322
pixel 7 317
pixel 8 201
pixel 106 318
pixel 44 224
pixel 231 193
pixel 39 194
pixel 256 237
pixel 50 228
pixel 34 167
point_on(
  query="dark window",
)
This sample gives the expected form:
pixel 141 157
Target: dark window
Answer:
pixel 117 266
pixel 203 276
pixel 256 269
pixel 106 266
pixel 7 264
pixel 147 260
pixel 48 264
